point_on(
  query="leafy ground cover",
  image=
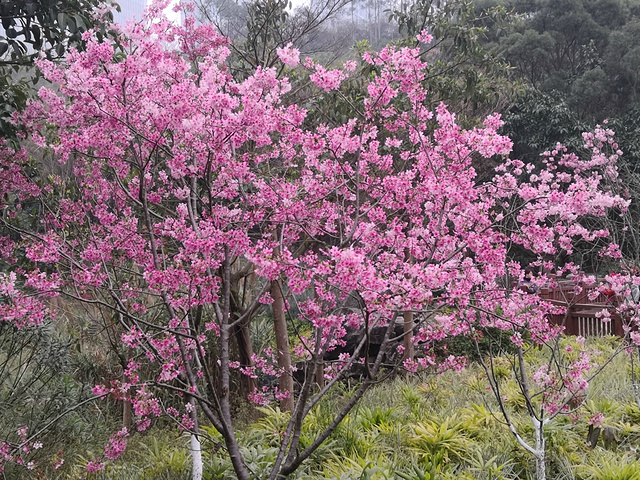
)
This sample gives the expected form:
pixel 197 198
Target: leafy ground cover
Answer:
pixel 419 427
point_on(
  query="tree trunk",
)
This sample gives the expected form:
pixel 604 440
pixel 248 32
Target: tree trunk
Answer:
pixel 282 344
pixel 196 456
pixel 541 468
pixel 245 353
pixel 320 374
pixel 126 404
pixel 126 414
pixel 408 336
pixel 196 448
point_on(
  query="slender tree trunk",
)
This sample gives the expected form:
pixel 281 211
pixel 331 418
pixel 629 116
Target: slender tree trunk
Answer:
pixel 541 467
pixel 245 352
pixel 320 374
pixel 407 340
pixel 196 455
pixel 244 339
pixel 634 380
pixel 282 344
pixel 126 414
pixel 196 448
pixel 226 421
pixel 126 404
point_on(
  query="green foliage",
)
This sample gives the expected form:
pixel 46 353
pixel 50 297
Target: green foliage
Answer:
pixel 488 340
pixel 269 427
pixel 162 458
pixel 215 468
pixel 493 467
pixel 448 439
pixel 577 48
pixel 462 71
pixel 14 97
pixel 376 418
pixel 606 466
pixel 358 468
pixel 414 399
pixel 481 420
pixel 259 458
pixel 431 471
pixel 538 121
pixel 36 384
pixel 265 23
pixel 565 441
pixel 262 336
pixel 417 473
pixel 627 128
pixel 31 28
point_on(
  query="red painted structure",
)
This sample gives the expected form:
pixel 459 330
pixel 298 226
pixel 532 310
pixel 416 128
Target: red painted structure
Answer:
pixel 580 317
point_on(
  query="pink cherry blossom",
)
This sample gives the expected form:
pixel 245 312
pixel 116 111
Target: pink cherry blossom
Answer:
pixel 288 55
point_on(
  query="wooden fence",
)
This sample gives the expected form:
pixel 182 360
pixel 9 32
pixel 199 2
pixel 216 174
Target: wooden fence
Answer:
pixel 582 315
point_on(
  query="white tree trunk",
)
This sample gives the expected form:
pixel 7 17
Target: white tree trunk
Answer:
pixel 195 447
pixel 541 468
pixel 196 456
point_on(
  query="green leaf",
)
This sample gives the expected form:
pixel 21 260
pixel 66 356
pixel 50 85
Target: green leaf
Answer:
pixel 81 21
pixel 37 39
pixel 62 20
pixel 71 25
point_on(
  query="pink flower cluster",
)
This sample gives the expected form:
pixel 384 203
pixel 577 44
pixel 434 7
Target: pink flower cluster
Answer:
pixel 288 55
pixel 117 444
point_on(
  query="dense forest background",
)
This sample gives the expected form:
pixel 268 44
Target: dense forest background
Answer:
pixel 552 68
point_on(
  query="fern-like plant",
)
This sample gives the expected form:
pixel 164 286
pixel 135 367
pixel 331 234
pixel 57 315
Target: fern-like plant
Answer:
pixel 448 438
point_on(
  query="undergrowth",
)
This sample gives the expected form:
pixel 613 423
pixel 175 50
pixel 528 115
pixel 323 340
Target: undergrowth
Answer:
pixel 417 427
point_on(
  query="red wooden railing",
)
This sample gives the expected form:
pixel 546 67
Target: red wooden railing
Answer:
pixel 580 317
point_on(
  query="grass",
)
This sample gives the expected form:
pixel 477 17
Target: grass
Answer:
pixel 431 427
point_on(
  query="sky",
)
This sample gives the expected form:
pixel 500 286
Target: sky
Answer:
pixel 171 15
pixel 134 8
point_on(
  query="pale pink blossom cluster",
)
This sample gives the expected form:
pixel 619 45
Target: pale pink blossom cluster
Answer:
pixel 596 419
pixel 424 37
pixel 95 466
pixel 21 308
pixel 259 398
pixel 288 55
pixel 327 79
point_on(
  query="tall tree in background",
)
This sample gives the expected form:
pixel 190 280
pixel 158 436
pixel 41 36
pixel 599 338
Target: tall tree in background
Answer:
pixel 259 27
pixel 462 71
pixel 582 49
